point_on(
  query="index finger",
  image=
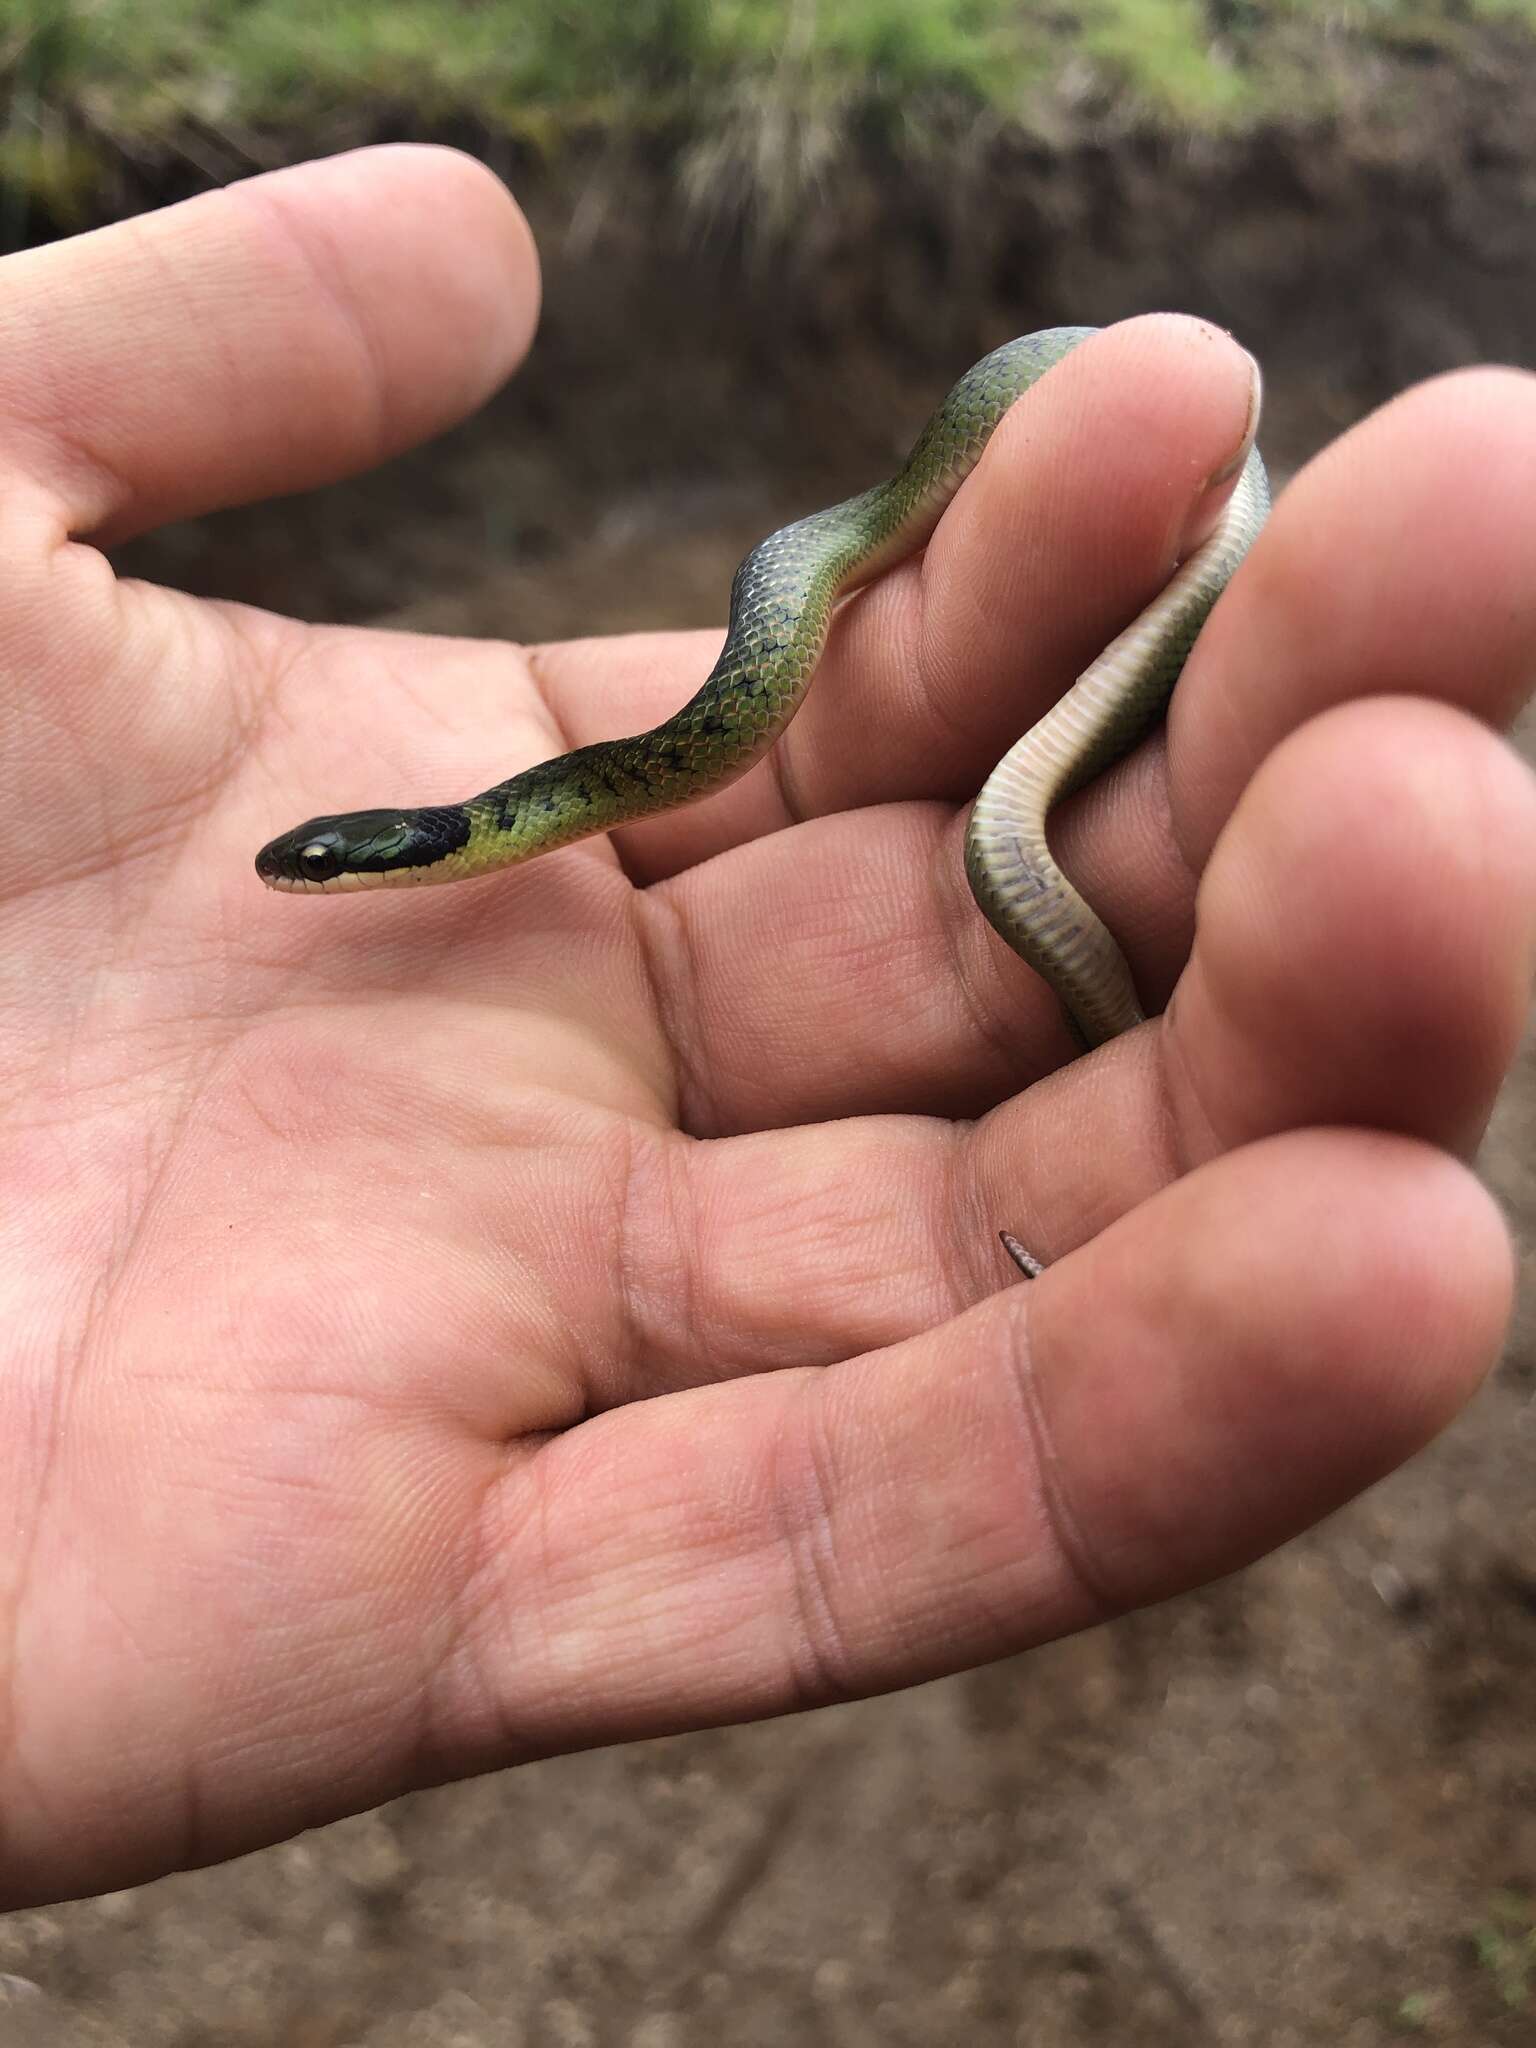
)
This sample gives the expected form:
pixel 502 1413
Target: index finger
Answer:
pixel 1092 487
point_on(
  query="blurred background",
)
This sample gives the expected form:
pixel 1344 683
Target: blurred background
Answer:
pixel 1297 1808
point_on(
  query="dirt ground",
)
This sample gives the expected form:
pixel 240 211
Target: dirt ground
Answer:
pixel 1297 1808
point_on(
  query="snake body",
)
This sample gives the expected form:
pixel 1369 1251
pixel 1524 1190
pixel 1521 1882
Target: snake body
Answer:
pixel 782 600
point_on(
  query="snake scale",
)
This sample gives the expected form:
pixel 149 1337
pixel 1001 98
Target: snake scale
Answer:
pixel 782 600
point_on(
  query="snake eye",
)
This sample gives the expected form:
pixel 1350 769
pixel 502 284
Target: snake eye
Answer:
pixel 318 861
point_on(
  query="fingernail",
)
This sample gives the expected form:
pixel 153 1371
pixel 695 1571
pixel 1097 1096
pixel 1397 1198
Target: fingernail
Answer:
pixel 1202 513
pixel 1229 469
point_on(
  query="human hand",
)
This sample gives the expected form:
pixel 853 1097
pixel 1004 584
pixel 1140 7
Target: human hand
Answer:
pixel 394 1385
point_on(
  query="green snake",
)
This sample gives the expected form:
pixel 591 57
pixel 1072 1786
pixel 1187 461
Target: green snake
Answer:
pixel 782 600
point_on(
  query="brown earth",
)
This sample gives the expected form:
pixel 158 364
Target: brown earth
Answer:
pixel 1297 1808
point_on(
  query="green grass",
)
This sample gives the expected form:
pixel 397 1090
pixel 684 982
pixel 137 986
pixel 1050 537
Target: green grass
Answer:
pixel 82 77
pixel 1501 1949
pixel 1505 1945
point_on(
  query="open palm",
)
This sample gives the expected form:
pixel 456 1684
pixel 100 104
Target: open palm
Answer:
pixel 447 1327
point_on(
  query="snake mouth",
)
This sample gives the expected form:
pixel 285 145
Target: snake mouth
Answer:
pixel 298 885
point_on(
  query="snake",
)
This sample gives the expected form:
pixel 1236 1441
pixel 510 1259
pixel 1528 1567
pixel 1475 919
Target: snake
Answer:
pixel 783 598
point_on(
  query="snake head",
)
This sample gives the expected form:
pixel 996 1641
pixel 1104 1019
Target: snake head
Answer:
pixel 365 849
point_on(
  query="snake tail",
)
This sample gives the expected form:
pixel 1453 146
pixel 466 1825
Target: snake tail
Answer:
pixel 1021 891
